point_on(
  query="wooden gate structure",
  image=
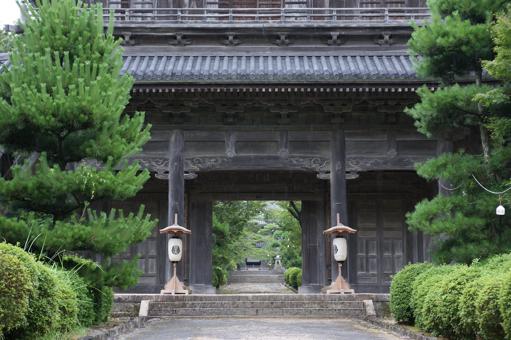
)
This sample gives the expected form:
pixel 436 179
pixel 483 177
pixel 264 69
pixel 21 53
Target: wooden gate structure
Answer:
pixel 279 103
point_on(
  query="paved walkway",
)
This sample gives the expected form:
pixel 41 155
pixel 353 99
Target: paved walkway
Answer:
pixel 258 329
pixel 254 288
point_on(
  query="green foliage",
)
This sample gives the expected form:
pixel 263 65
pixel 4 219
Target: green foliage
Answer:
pixel 401 291
pixel 96 279
pixel 458 301
pixel 86 313
pixel 489 318
pixel 16 287
pixel 441 309
pixel 452 48
pixel 505 304
pixel 6 40
pixel 67 301
pixel 467 216
pixel 420 288
pixel 293 277
pixel 219 276
pixel 447 111
pixel 62 117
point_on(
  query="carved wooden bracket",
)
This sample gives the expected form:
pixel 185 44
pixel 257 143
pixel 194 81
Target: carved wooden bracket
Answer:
pixel 179 40
pixel 336 39
pixel 231 40
pixel 282 40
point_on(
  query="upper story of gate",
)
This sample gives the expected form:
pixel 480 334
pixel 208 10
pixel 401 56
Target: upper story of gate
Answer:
pixel 156 18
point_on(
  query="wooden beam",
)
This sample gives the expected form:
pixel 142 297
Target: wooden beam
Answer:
pixel 338 197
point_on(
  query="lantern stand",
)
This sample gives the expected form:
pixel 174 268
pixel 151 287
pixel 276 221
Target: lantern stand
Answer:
pixel 339 286
pixel 175 253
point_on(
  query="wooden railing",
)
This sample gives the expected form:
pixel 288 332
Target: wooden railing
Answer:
pixel 261 15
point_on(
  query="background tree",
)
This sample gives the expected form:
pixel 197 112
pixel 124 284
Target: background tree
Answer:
pixel 62 121
pixel 451 48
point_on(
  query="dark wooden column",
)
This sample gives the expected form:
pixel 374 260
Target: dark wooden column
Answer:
pixel 338 197
pixel 201 247
pixel 313 247
pixel 176 183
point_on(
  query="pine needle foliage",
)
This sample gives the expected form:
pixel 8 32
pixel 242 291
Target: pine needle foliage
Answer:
pixel 471 112
pixel 63 121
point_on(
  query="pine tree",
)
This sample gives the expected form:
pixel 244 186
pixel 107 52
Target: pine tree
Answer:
pixel 451 48
pixel 62 121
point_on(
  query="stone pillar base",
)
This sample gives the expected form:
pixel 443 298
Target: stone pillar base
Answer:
pixel 202 289
pixel 309 289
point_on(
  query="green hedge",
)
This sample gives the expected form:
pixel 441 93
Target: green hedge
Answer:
pixel 401 292
pixel 456 301
pixel 15 291
pixel 37 299
pixel 219 276
pixel 293 277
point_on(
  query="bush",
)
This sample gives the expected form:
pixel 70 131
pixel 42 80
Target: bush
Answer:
pixel 94 277
pixel 219 276
pixel 16 287
pixel 505 304
pixel 67 301
pixel 468 304
pixel 489 318
pixel 56 301
pixel 401 292
pixel 441 310
pixel 293 277
pixel 420 289
pixel 86 316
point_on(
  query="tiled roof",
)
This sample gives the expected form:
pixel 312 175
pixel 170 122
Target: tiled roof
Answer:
pixel 268 68
pixel 253 68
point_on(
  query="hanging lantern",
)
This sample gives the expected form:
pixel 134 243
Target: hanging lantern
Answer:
pixel 175 249
pixel 340 249
pixel 501 211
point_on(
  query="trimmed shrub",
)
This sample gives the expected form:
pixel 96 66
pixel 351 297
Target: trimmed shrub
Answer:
pixel 468 304
pixel 441 309
pixel 401 291
pixel 219 276
pixel 299 279
pixel 94 276
pixel 85 315
pixel 505 304
pixel 16 287
pixel 489 318
pixel 420 288
pixel 67 301
pixel 293 277
pixel 288 273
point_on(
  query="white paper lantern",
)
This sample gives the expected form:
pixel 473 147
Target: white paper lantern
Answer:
pixel 175 249
pixel 501 211
pixel 340 249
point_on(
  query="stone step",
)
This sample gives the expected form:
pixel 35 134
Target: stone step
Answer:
pixel 244 312
pixel 258 304
pixel 136 298
pixel 270 278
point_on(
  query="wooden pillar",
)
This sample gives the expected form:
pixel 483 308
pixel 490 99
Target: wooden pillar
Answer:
pixel 176 190
pixel 313 247
pixel 201 247
pixel 338 196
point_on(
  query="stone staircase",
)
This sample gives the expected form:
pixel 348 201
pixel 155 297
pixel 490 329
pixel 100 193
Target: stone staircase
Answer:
pixel 255 276
pixel 244 305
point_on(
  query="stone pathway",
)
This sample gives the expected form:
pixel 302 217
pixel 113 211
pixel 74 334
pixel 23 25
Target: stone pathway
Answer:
pixel 259 329
pixel 254 288
pixel 255 282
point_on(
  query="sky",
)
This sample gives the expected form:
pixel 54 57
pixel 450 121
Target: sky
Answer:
pixel 9 12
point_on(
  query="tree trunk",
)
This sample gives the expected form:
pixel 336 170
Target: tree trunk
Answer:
pixel 485 139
